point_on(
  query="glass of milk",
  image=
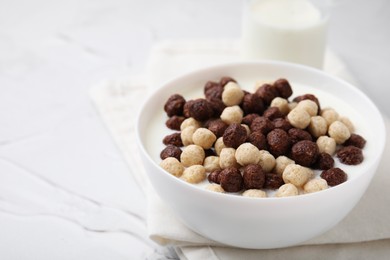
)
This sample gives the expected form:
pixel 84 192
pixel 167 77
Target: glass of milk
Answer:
pixel 287 30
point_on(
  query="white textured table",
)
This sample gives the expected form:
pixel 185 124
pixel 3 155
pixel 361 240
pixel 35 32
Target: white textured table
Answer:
pixel 65 191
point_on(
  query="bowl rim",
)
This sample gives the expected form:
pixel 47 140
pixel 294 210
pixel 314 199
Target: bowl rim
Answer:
pixel 303 196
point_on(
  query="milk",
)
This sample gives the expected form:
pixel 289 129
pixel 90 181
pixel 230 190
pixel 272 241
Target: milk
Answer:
pixel 288 30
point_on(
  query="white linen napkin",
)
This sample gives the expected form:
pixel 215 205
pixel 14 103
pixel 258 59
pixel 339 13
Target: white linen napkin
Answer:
pixel 117 102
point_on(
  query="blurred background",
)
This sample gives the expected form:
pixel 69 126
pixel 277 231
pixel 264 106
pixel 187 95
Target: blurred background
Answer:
pixel 52 52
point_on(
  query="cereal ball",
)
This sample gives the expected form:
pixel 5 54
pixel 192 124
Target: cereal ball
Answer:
pixel 217 106
pixel 267 92
pixel 282 124
pixel 292 105
pixel 217 126
pixel 248 119
pixel 273 181
pixel 186 108
pixel 213 90
pixel 350 155
pixel 258 139
pixel 231 115
pixel 309 106
pixel 232 94
pixel 254 193
pixel 266 161
pixel 190 122
pixel 326 144
pixel 252 103
pixel 173 139
pixel 214 176
pixel 173 166
pixel 315 185
pixel 225 80
pixel 262 125
pixel 281 163
pixel 227 158
pixel 297 135
pixel 214 187
pixel 272 113
pixel 334 176
pixel 234 135
pixel 204 138
pixel 278 142
pixel 318 126
pixel 308 97
pixel 211 163
pixel 200 109
pixel 194 174
pixel 299 118
pixel 283 87
pixel 347 123
pixel 282 104
pixel 186 135
pixel 219 145
pixel 330 115
pixel 339 132
pixel 231 180
pixel 253 176
pixel 248 130
pixel 287 190
pixel 324 161
pixel 296 174
pixel 356 140
pixel 247 153
pixel 304 153
pixel 174 105
pixel 174 122
pixel 192 155
pixel 170 151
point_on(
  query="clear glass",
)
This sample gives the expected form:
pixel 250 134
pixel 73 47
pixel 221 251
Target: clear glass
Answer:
pixel 287 30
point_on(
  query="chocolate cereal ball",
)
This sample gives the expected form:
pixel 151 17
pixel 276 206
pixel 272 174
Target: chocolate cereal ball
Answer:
pixel 272 113
pixel 214 177
pixel 334 176
pixel 225 80
pixel 278 142
pixel 350 155
pixel 217 126
pixel 282 124
pixel 213 90
pixel 234 135
pixel 253 176
pixel 252 103
pixel 231 180
pixel 304 153
pixel 356 140
pixel 170 151
pixel 200 109
pixel 283 87
pixel 273 181
pixel 258 139
pixel 297 135
pixel 174 105
pixel 173 139
pixel 248 119
pixel 262 125
pixel 324 161
pixel 174 122
pixel 267 92
pixel 217 106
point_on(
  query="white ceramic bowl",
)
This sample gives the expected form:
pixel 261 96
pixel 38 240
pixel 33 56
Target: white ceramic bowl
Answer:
pixel 262 222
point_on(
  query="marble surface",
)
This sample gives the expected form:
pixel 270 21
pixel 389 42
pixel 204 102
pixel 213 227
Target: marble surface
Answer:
pixel 65 191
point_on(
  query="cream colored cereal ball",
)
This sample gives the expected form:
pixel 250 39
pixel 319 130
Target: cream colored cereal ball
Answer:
pixel 339 132
pixel 326 144
pixel 189 122
pixel 215 187
pixel 173 166
pixel 211 163
pixel 194 174
pixel 248 130
pixel 254 193
pixel 232 94
pixel 318 126
pixel 281 163
pixel 227 158
pixel 296 174
pixel 192 154
pixel 219 145
pixel 348 123
pixel 282 104
pixel 299 118
pixel 266 161
pixel 315 185
pixel 204 138
pixel 287 190
pixel 330 115
pixel 247 153
pixel 309 106
pixel 232 115
pixel 186 135
pixel 292 105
